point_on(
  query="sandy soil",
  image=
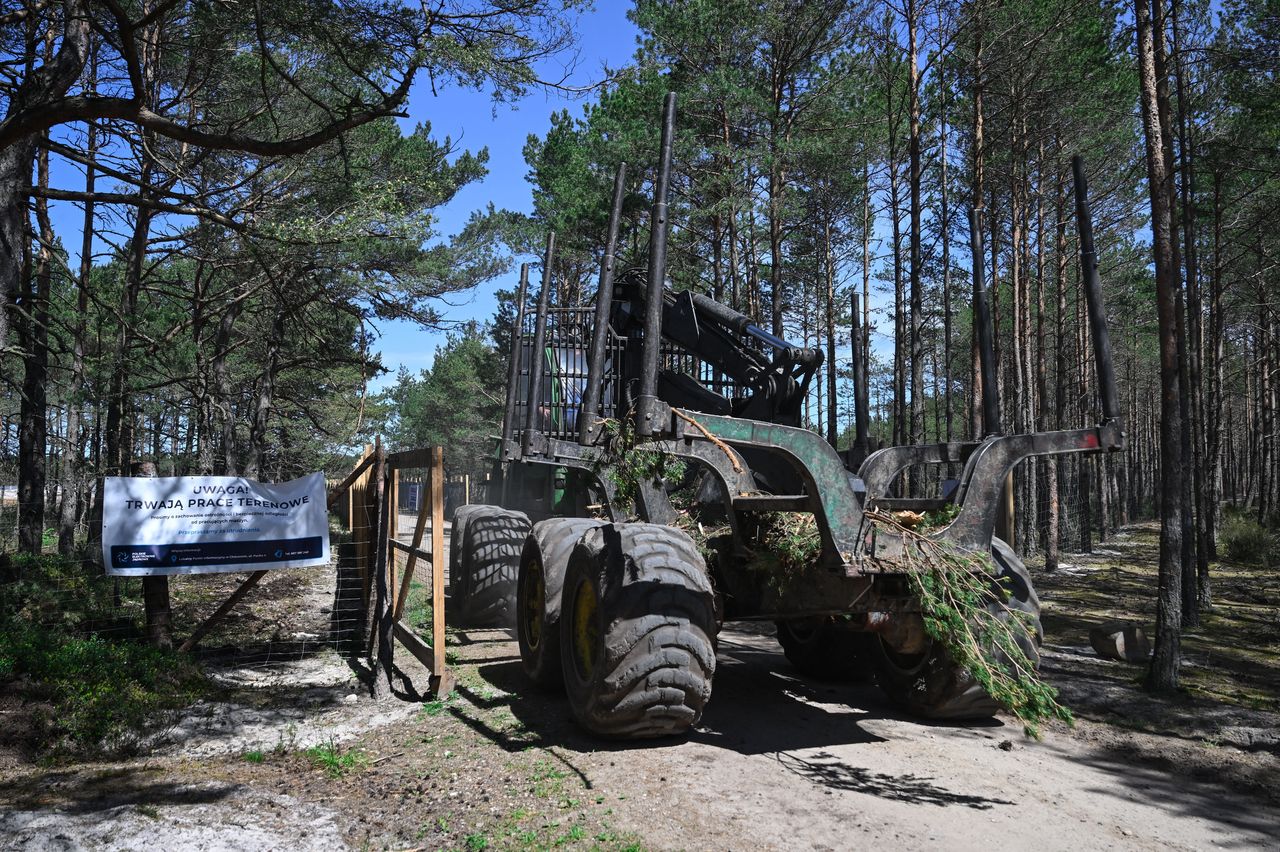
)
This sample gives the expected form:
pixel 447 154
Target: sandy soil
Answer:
pixel 779 762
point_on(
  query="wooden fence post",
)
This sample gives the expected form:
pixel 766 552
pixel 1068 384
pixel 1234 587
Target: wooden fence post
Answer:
pixel 393 530
pixel 441 681
pixel 384 620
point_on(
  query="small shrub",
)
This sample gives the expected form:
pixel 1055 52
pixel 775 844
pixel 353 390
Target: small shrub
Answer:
pixel 1245 540
pixel 334 761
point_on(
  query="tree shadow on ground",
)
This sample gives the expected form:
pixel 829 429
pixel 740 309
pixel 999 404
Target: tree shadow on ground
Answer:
pixel 827 770
pixel 90 791
pixel 1231 659
pixel 1178 788
pixel 1111 692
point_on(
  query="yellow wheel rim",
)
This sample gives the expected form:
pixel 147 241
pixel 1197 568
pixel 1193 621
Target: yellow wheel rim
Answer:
pixel 535 592
pixel 586 632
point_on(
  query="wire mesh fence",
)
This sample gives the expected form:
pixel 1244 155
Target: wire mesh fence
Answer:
pixel 290 612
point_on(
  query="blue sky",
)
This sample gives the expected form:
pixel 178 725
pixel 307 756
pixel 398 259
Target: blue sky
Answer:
pixel 605 36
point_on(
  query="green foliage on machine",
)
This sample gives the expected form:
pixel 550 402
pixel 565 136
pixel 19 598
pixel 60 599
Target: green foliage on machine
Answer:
pixel 626 463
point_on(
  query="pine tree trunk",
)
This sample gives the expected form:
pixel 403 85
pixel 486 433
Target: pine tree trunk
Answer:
pixel 34 425
pixel 256 453
pixel 945 228
pixel 1163 673
pixel 915 432
pixel 73 454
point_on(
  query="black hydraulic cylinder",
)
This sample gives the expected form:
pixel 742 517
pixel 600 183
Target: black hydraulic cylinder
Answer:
pixel 861 400
pixel 721 313
pixel 646 402
pixel 600 331
pixel 513 368
pixel 536 357
pixel 1093 296
pixel 982 323
pixel 741 324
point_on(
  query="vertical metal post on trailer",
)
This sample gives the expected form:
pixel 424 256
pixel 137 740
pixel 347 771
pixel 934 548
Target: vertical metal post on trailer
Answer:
pixel 647 401
pixel 513 368
pixel 861 415
pixel 539 341
pixel 987 359
pixel 600 330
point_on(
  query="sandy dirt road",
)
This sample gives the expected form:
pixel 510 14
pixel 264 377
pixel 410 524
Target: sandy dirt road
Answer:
pixel 785 763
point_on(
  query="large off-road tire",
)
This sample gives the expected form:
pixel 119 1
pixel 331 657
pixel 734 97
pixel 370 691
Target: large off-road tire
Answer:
pixel 637 631
pixel 818 648
pixel 538 588
pixel 484 593
pixel 457 536
pixel 931 684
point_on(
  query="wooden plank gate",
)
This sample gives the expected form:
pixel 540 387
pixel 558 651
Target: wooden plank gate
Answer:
pixel 372 508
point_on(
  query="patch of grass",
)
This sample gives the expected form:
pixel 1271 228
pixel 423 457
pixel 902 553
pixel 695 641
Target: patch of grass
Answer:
pixel 573 835
pixel 547 779
pixel 418 610
pixel 335 761
pixel 148 811
pixel 255 756
pixel 477 842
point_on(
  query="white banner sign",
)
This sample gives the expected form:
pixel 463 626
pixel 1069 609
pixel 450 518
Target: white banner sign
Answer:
pixel 209 524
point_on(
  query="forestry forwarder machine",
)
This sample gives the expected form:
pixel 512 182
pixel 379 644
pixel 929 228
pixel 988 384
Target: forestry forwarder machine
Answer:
pixel 624 613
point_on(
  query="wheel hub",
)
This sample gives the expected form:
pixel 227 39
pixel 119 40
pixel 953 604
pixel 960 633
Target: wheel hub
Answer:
pixel 586 632
pixel 535 592
pixel 903 638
